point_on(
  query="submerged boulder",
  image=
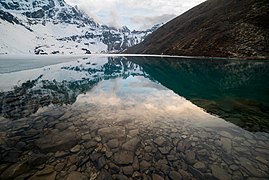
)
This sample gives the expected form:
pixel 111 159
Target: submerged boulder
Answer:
pixel 57 141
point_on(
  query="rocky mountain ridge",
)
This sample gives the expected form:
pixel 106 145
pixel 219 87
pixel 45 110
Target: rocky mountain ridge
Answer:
pixel 215 28
pixel 54 27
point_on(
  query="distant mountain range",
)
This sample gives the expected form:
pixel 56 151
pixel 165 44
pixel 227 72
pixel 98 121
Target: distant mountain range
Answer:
pixel 220 28
pixel 54 27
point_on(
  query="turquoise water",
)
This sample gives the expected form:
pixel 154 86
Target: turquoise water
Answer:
pixel 134 117
pixel 232 89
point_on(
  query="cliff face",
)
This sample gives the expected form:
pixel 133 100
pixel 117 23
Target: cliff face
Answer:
pixel 223 28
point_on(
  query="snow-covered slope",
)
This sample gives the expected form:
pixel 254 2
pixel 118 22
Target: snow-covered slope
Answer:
pixel 54 27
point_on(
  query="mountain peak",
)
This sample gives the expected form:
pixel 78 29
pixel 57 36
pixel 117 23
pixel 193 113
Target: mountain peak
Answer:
pixel 55 27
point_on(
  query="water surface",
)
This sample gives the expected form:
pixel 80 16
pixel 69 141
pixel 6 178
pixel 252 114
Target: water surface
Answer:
pixel 136 117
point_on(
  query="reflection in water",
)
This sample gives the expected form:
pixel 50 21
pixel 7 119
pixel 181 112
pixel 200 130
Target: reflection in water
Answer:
pixel 134 118
pixel 234 90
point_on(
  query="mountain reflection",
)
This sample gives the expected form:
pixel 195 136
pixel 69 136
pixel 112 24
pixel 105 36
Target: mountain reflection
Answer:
pixel 61 84
pixel 234 90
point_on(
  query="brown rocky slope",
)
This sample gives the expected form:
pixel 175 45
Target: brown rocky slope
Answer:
pixel 218 28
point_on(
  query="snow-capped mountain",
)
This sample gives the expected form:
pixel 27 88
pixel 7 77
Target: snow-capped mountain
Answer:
pixel 54 27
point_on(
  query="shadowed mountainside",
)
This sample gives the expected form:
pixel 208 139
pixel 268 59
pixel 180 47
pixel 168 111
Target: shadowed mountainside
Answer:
pixel 220 28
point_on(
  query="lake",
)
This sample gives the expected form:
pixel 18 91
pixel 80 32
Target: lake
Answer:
pixel 138 117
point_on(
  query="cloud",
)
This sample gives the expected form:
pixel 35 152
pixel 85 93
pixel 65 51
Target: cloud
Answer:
pixel 113 19
pixel 145 22
pixel 119 13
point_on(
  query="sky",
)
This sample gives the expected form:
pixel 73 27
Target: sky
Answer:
pixel 135 14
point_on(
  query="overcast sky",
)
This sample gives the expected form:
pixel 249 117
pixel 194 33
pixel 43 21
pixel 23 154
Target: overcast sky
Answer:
pixel 135 14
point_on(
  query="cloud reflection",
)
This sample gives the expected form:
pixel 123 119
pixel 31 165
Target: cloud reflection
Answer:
pixel 119 99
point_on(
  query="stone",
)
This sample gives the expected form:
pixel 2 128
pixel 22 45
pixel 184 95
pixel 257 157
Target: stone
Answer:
pixel 165 150
pixel 82 160
pixel 60 154
pixel 75 175
pixel 95 156
pixel 86 137
pixel 184 174
pixel 226 145
pixel 113 143
pixel 137 175
pixel 121 177
pixel 20 145
pixel 173 175
pixel 226 134
pixel 101 162
pixel 262 160
pixel 72 168
pixel 37 159
pixel 104 175
pixel 234 167
pixel 171 157
pixel 112 132
pixel 61 126
pixel 144 165
pixel 123 157
pixel 196 173
pixel 128 170
pixel 47 173
pixel 57 141
pixel 72 160
pixel 251 168
pixel 50 176
pixel 14 170
pixel 190 157
pixel 148 149
pixel 47 170
pixel 90 144
pixel 24 176
pixel 75 149
pixel 132 144
pixel 202 152
pixel 160 141
pixel 136 164
pixel 98 138
pixel 180 147
pixel 200 166
pixel 157 177
pixel 59 167
pixel 220 173
pixel 133 132
pixel 109 154
pixel 12 156
pixel 114 168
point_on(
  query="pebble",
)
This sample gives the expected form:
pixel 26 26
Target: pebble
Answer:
pixel 123 157
pixel 113 143
pixel 190 157
pixel 160 141
pixel 128 170
pixel 200 166
pixel 59 167
pixel 75 175
pixel 144 165
pixel 219 173
pixel 75 149
pixel 157 177
pixel 175 175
